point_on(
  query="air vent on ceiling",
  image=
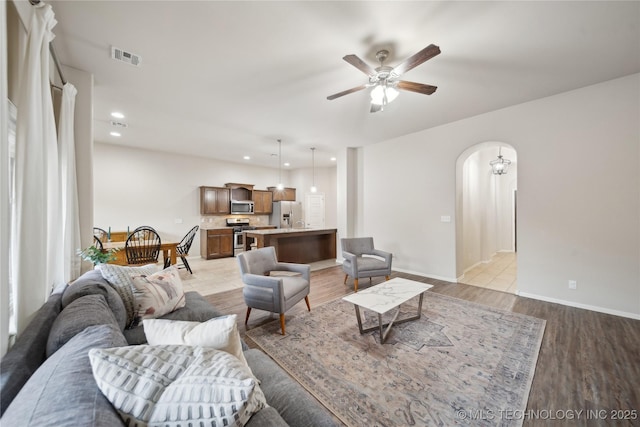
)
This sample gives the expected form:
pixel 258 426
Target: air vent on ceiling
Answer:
pixel 124 56
pixel 119 124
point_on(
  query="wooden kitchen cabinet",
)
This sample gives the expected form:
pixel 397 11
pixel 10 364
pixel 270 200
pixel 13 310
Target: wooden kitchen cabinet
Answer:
pixel 216 243
pixel 286 194
pixel 262 200
pixel 214 201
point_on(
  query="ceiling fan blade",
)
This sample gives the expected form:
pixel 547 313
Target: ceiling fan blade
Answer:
pixel 417 59
pixel 375 108
pixel 416 87
pixel 346 92
pixel 360 64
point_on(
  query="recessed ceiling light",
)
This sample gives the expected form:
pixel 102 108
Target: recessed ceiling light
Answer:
pixel 333 159
pixel 117 115
pixel 115 134
pixel 247 158
pixel 287 164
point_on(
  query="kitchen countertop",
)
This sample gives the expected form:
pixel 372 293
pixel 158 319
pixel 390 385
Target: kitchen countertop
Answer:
pixel 288 230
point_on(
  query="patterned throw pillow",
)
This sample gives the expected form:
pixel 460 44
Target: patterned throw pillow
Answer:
pixel 220 333
pixel 176 385
pixel 120 278
pixel 157 294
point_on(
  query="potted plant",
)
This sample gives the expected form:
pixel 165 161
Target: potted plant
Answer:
pixel 97 256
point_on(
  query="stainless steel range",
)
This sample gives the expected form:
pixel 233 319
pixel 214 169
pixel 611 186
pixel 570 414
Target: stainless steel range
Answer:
pixel 239 225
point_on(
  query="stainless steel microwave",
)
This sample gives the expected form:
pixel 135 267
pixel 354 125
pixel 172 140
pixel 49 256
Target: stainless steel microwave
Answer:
pixel 242 207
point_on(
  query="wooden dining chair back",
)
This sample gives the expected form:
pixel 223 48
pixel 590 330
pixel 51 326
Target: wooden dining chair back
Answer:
pixel 182 250
pixel 97 242
pixel 143 246
pixel 100 234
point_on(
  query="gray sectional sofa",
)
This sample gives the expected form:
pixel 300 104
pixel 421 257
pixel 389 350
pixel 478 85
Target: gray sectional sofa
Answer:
pixel 46 378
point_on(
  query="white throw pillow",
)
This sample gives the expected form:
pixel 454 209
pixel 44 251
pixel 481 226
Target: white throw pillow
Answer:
pixel 220 333
pixel 157 294
pixel 174 385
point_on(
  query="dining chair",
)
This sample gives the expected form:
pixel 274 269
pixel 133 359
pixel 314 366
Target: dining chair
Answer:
pixel 142 246
pixel 182 250
pixel 97 242
pixel 100 234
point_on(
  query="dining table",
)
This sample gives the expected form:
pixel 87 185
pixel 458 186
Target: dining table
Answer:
pixel 168 251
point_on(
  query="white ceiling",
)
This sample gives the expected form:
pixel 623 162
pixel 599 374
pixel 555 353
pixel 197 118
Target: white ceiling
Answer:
pixel 227 79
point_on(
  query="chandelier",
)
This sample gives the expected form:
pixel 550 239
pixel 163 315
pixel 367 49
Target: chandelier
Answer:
pixel 500 165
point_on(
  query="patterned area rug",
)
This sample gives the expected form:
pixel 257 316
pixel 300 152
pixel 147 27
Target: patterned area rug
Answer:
pixel 460 364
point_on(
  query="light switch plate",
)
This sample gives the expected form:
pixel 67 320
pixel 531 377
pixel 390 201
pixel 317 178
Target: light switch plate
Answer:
pixel 445 218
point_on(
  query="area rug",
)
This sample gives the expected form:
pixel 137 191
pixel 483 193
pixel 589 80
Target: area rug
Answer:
pixel 460 364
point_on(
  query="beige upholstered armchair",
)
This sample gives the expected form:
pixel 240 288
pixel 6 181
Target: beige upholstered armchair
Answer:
pixel 361 259
pixel 275 294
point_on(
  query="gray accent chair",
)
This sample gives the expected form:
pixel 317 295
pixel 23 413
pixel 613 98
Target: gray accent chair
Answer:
pixel 275 294
pixel 361 259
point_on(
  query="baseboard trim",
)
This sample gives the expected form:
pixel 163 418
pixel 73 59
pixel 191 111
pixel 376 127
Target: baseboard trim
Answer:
pixel 579 305
pixel 429 276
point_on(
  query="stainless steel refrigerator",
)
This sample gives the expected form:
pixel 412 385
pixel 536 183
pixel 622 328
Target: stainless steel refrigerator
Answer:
pixel 287 215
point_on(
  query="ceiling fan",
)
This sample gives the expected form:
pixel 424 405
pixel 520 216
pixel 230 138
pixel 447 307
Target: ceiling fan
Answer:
pixel 385 80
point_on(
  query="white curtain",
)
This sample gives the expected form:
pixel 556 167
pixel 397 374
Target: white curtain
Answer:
pixel 68 185
pixel 5 211
pixel 37 213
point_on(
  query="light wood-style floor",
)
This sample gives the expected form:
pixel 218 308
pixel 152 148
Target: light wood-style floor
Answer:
pixel 587 361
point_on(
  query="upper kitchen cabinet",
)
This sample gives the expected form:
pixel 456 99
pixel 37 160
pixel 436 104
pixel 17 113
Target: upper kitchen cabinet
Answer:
pixel 214 201
pixel 286 194
pixel 262 202
pixel 240 191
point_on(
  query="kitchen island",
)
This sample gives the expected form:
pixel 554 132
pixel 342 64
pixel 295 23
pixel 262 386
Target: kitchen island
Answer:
pixel 298 245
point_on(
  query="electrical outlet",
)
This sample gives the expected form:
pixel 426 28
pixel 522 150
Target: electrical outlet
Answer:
pixel 178 220
pixel 573 284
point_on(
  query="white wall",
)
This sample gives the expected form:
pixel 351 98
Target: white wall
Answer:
pixel 325 181
pixel 134 187
pixel 578 194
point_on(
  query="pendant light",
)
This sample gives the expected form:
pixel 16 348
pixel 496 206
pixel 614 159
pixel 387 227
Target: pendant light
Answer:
pixel 280 185
pixel 500 165
pixel 313 170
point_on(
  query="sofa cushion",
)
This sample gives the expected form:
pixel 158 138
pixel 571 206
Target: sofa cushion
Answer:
pixel 63 392
pixel 120 278
pixel 157 294
pixel 196 309
pixel 220 333
pixel 296 406
pixel 28 352
pixel 92 283
pixel 89 310
pixel 176 385
pixel 266 417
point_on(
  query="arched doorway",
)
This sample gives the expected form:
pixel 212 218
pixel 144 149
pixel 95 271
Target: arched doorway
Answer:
pixel 486 213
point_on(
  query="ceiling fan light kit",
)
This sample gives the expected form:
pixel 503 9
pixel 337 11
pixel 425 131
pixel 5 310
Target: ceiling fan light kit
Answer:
pixel 385 80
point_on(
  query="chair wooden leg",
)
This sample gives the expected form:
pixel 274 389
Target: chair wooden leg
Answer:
pixel 306 299
pixel 387 277
pixel 355 285
pixel 247 318
pixel 346 276
pixel 282 322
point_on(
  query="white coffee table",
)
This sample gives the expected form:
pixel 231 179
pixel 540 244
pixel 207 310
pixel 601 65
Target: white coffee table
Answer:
pixel 385 297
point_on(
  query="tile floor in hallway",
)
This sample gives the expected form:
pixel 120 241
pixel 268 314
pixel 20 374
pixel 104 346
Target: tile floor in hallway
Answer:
pixel 499 274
